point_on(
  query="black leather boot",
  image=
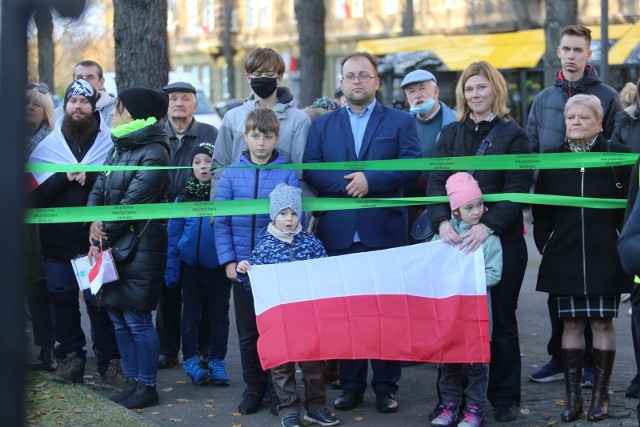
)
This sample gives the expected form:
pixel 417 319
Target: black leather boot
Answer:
pixel 602 367
pixel 129 388
pixel 572 360
pixel 144 396
pixel 47 358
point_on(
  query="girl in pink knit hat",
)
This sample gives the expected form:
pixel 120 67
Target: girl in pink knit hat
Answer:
pixel 467 208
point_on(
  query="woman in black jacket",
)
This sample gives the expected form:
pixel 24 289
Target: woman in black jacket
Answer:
pixel 481 95
pixel 580 267
pixel 140 139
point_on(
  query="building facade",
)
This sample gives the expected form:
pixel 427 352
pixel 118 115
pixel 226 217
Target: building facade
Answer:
pixel 198 27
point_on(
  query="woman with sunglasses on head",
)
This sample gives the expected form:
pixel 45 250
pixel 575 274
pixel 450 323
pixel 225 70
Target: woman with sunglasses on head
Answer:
pixel 38 115
pixel 39 124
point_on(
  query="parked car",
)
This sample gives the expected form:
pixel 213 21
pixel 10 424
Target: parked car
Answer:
pixel 223 106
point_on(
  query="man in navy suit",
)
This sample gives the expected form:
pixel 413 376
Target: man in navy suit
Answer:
pixel 362 130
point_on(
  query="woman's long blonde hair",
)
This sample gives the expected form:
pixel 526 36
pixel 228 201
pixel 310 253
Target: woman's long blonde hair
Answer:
pixel 498 85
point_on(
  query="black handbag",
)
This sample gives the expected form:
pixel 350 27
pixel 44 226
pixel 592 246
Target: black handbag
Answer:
pixel 421 228
pixel 124 248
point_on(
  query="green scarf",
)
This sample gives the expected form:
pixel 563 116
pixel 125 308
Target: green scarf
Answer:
pixel 127 128
pixel 198 189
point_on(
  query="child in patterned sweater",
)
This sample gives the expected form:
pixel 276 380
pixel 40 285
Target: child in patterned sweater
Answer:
pixel 286 241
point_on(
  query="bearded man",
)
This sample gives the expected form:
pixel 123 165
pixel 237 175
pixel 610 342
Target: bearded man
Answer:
pixel 80 137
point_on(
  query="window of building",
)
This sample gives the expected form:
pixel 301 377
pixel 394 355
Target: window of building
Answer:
pixel 193 26
pixel 265 14
pixel 259 13
pixel 209 19
pixel 347 9
pixel 357 8
pixel 391 7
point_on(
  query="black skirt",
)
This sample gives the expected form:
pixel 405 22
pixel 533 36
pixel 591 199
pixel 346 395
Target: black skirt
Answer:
pixel 598 306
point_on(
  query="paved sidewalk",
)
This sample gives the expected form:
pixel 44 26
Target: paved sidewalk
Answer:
pixel 182 403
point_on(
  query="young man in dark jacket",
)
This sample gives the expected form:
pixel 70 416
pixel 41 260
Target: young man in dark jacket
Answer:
pixel 546 129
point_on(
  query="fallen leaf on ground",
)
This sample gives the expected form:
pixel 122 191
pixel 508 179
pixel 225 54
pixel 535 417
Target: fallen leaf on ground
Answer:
pixel 524 411
pixel 358 419
pixel 176 420
pixel 208 406
pixel 181 400
pixel 559 403
pixel 236 414
pixel 181 382
pixel 167 389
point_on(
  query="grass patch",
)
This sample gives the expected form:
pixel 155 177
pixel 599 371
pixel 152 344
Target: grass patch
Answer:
pixel 51 404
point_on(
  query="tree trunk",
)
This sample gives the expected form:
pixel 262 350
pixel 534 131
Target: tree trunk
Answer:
pixel 46 55
pixel 558 15
pixel 140 35
pixel 407 19
pixel 227 48
pixel 522 14
pixel 310 15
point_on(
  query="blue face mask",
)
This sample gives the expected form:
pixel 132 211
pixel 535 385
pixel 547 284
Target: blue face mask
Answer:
pixel 426 106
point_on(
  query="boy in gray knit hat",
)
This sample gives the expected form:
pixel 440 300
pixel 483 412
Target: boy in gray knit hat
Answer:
pixel 284 238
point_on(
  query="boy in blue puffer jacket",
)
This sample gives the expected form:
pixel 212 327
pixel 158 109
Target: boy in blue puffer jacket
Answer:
pixel 237 235
pixel 192 258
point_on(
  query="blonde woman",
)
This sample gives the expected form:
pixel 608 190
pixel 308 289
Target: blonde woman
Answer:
pixel 38 115
pixel 481 95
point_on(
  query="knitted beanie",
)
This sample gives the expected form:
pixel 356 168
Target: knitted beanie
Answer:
pixel 461 189
pixel 83 88
pixel 285 196
pixel 203 148
pixel 143 103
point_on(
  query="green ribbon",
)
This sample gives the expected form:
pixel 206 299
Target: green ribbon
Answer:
pixel 487 162
pixel 261 206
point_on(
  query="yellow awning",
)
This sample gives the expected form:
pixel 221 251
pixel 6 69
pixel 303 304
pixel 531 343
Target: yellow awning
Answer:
pixel 519 49
pixel 625 44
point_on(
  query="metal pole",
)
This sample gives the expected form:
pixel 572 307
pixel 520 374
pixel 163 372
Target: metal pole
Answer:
pixel 604 41
pixel 13 67
pixel 523 98
pixel 13 75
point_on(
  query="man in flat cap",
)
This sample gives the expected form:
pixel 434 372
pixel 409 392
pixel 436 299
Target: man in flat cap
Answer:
pixel 421 90
pixel 185 134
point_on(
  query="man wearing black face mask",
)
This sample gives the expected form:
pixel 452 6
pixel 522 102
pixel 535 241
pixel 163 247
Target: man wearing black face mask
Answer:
pixel 264 68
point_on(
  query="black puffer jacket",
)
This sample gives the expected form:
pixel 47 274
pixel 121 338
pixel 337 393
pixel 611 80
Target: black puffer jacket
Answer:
pixel 141 278
pixel 463 139
pixel 546 127
pixel 627 129
pixel 578 245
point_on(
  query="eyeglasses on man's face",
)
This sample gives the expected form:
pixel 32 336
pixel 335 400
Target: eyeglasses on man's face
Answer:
pixel 41 88
pixel 363 77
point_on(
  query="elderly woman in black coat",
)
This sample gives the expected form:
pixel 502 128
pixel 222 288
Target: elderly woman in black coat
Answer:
pixel 580 267
pixel 140 139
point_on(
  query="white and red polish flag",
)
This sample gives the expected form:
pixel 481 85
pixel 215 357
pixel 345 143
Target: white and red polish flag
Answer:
pixel 96 274
pixel 423 303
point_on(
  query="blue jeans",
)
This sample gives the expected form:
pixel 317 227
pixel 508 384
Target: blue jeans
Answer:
pixel 63 289
pixel 138 344
pixel 211 285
